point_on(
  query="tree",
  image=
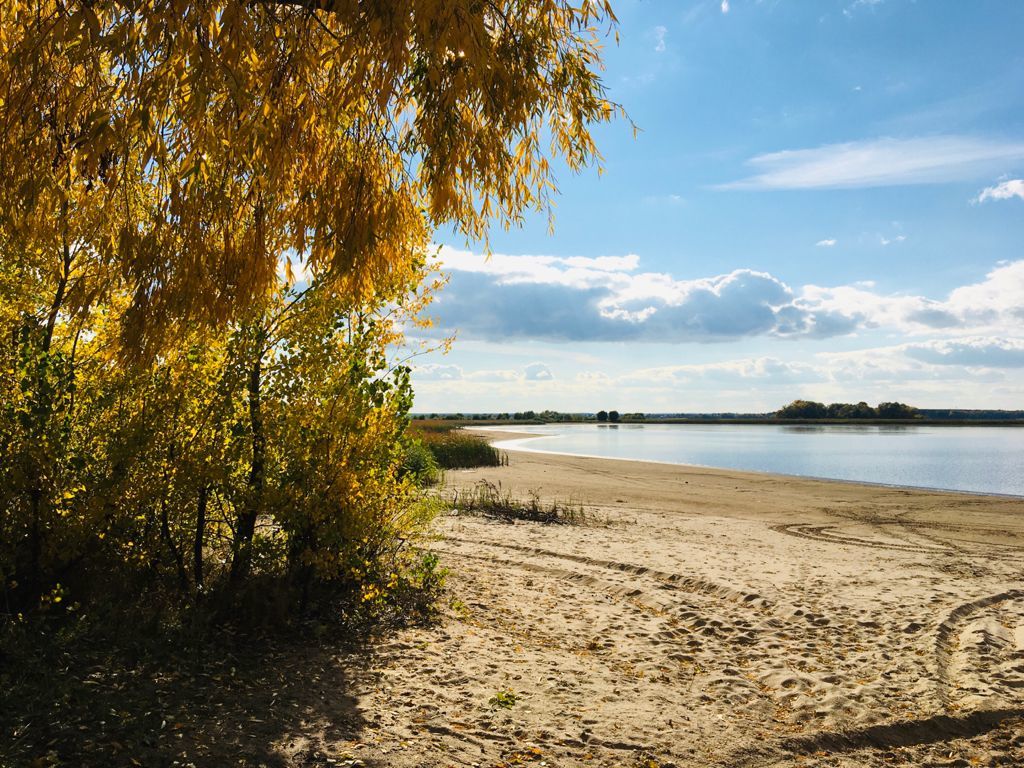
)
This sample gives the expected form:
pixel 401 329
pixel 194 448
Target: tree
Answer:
pixel 896 411
pixel 194 145
pixel 613 415
pixel 602 415
pixel 237 198
pixel 863 411
pixel 802 409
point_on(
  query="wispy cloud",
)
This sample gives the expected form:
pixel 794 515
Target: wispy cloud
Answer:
pixel 890 240
pixel 880 163
pixel 659 38
pixel 1004 191
pixel 933 373
pixel 850 9
pixel 725 6
pixel 829 243
pixel 670 199
pixel 451 373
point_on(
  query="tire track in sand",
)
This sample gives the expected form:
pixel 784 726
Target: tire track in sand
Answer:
pixel 950 652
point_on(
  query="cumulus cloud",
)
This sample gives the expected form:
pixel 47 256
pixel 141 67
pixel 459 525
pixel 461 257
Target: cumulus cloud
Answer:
pixel 538 372
pixel 1004 191
pixel 830 242
pixel 880 163
pixel 435 372
pixel 610 299
pixel 607 299
pixel 904 365
pixel 984 352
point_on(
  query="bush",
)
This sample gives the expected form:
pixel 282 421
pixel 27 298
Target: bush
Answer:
pixel 454 448
pixel 460 450
pixel 420 464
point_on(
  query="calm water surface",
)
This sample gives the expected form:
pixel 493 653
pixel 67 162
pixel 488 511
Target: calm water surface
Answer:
pixel 978 459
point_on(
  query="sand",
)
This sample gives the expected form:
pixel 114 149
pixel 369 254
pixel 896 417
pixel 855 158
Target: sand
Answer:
pixel 710 618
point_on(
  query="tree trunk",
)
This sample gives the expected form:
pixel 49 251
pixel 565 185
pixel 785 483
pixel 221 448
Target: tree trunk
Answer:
pixel 197 544
pixel 43 413
pixel 246 528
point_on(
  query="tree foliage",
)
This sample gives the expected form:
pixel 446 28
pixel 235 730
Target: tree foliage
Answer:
pixel 809 409
pixel 215 218
pixel 190 143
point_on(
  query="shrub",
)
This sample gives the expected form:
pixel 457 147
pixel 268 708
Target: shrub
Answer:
pixel 420 464
pixel 460 450
pixel 454 448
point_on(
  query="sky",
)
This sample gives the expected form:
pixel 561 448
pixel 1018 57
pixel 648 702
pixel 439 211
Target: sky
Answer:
pixel 824 201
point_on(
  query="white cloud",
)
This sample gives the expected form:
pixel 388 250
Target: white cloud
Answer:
pixel 887 241
pixel 974 352
pixel 611 299
pixel 952 372
pixel 436 372
pixel 725 6
pixel 593 377
pixel 727 372
pixel 849 10
pixel 996 301
pixel 538 372
pixel 1004 191
pixel 498 375
pixel 826 243
pixel 659 38
pixel 880 163
pixel 669 199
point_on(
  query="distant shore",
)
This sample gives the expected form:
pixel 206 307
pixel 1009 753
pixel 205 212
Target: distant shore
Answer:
pixel 769 420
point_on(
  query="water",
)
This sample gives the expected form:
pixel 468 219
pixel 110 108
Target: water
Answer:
pixel 976 459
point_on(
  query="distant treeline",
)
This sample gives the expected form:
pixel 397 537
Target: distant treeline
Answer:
pixel 955 414
pixel 798 409
pixel 545 416
pixel 809 409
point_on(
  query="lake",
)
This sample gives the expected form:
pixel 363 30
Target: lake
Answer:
pixel 975 459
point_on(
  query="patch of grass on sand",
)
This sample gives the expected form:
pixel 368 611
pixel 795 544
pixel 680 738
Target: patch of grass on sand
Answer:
pixel 505 698
pixel 487 499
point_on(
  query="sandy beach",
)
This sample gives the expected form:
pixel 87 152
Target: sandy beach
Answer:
pixel 707 617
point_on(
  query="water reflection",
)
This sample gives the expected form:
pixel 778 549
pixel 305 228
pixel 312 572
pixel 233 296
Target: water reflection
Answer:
pixel 861 428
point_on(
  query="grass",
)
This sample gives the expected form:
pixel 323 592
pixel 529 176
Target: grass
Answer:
pixel 505 698
pixel 486 499
pixel 453 448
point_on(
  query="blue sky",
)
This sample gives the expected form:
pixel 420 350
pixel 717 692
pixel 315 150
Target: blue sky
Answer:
pixel 825 200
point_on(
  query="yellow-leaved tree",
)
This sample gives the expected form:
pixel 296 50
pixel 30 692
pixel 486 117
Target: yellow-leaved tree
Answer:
pixel 336 130
pixel 177 403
